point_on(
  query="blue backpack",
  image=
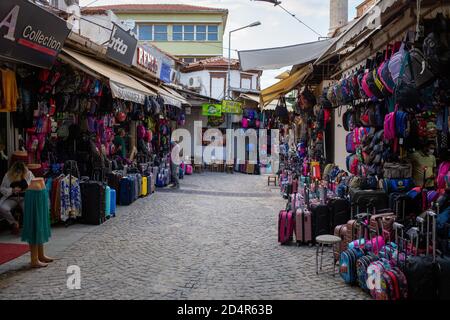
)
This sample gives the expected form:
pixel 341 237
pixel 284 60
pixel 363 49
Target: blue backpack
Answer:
pixel 347 264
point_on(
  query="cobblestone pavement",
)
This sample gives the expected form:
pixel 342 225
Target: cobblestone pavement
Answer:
pixel 216 238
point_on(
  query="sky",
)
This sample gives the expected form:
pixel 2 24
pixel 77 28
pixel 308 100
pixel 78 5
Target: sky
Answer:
pixel 277 27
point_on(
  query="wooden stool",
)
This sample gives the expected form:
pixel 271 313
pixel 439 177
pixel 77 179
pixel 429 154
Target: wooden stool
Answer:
pixel 272 179
pixel 230 168
pixel 214 167
pixel 326 239
pixel 198 168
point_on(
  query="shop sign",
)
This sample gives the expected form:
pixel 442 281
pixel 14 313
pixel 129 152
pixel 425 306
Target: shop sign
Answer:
pixel 125 93
pixel 121 46
pixel 214 110
pixel 146 60
pixel 165 73
pixel 229 106
pixel 31 34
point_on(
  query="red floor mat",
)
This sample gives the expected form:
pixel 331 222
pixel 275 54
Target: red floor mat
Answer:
pixel 10 251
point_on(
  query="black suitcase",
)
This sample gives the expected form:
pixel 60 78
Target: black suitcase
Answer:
pixel 113 180
pixel 320 220
pixel 93 202
pixel 443 277
pixel 340 212
pixel 363 201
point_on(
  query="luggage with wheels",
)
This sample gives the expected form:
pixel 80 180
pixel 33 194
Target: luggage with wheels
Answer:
pixel 303 226
pixel 189 169
pixel 340 211
pixel 113 198
pixel 366 200
pixel 320 220
pixel 420 270
pixel 144 186
pixel 127 191
pixel 340 231
pixel 93 199
pixel 285 226
pixel 113 180
pixel 107 202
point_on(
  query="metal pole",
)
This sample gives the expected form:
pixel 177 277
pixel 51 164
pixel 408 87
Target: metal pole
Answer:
pixel 229 66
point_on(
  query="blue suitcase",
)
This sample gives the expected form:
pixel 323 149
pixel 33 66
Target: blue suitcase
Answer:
pixel 107 202
pixel 127 191
pixel 113 202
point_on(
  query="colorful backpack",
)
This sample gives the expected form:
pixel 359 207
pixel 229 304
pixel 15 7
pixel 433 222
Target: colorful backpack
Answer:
pixel 347 264
pixel 443 172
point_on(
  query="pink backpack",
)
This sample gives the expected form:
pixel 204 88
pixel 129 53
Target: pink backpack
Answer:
pixel 389 126
pixel 366 87
pixel 244 123
pixel 443 171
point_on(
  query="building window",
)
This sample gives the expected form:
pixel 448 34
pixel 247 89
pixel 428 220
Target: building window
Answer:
pixel 160 32
pixel 145 32
pixel 213 33
pixel 148 32
pixel 195 33
pixel 246 81
pixel 188 60
pixel 201 33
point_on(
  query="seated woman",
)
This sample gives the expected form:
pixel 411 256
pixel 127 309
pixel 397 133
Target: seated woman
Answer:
pixel 12 191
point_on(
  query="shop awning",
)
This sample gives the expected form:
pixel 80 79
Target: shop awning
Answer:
pixel 359 30
pixel 251 97
pixel 286 85
pixel 272 106
pixel 169 98
pixel 175 94
pixel 123 86
pixel 276 58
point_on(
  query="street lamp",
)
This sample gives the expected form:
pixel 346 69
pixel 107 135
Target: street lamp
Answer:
pixel 254 24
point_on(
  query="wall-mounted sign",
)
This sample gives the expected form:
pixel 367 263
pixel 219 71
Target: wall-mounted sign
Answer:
pixel 121 46
pixel 147 60
pixel 214 110
pixel 31 34
pixel 229 106
pixel 165 73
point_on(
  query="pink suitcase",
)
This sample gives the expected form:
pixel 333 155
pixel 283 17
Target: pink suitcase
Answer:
pixel 303 226
pixel 295 186
pixel 285 226
pixel 188 169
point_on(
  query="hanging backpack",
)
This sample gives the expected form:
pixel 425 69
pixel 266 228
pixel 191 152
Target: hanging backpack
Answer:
pixel 422 73
pixel 350 142
pixel 402 124
pixel 389 126
pixel 443 171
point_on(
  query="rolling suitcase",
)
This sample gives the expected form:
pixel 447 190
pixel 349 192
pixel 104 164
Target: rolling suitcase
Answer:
pixel 107 202
pixel 340 231
pixel 127 191
pixel 340 211
pixel 93 199
pixel 285 226
pixel 138 185
pixel 113 180
pixel 303 226
pixel 113 198
pixel 364 200
pixel 189 169
pixel 144 186
pixel 151 183
pixel 320 220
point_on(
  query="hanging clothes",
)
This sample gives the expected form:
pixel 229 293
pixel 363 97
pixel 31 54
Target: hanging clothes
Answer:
pixel 70 198
pixel 10 91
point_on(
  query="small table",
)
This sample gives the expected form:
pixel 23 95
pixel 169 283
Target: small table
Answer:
pixel 326 239
pixel 272 179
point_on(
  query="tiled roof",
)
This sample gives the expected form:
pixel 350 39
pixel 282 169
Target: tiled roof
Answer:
pixel 216 62
pixel 152 8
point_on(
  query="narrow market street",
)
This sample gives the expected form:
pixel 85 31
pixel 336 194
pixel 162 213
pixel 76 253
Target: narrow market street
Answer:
pixel 215 238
